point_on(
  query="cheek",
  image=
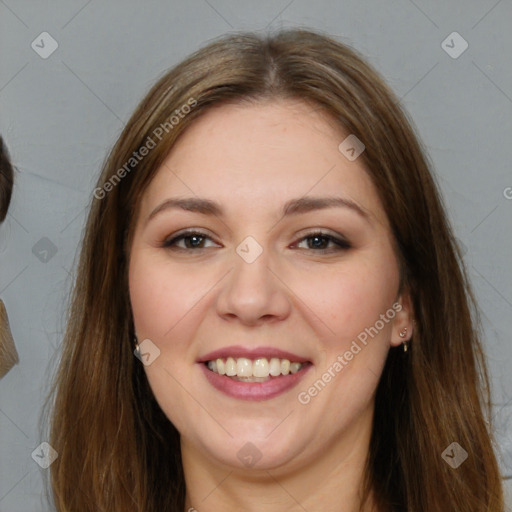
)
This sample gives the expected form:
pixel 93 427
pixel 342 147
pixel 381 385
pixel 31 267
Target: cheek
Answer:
pixel 162 299
pixel 352 302
pixel 160 295
pixel 349 299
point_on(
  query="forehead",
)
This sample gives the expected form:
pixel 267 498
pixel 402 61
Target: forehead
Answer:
pixel 255 156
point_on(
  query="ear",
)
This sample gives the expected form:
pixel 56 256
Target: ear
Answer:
pixel 403 323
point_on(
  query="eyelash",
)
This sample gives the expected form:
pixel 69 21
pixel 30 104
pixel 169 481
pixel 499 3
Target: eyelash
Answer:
pixel 342 245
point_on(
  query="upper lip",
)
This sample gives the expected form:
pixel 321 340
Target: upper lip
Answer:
pixel 236 351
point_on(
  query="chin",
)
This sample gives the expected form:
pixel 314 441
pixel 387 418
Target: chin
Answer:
pixel 252 447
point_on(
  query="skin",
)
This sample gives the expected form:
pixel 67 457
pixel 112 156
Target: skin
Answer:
pixel 252 158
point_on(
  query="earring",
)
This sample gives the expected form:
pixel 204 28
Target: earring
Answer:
pixel 137 348
pixel 403 334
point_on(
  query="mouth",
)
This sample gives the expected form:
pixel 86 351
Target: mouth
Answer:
pixel 261 369
pixel 258 374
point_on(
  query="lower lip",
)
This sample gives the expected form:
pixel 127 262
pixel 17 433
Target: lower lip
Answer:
pixel 256 391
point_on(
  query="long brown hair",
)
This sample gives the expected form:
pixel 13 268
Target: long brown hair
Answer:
pixel 119 452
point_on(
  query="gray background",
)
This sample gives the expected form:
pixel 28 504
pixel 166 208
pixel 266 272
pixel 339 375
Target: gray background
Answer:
pixel 60 115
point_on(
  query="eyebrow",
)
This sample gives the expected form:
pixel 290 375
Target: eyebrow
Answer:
pixel 291 207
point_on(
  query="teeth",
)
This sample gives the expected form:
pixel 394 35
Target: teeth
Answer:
pixel 295 367
pixel 259 370
pixel 230 367
pixel 275 367
pixel 243 367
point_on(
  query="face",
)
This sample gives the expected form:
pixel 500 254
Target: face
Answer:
pixel 256 275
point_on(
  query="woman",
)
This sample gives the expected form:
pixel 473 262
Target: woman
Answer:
pixel 266 237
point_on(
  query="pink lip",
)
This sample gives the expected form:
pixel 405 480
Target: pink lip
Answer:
pixel 239 351
pixel 256 391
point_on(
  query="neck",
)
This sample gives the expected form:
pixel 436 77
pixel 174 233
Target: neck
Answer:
pixel 330 481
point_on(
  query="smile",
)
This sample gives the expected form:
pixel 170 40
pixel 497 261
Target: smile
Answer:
pixel 257 370
pixel 256 374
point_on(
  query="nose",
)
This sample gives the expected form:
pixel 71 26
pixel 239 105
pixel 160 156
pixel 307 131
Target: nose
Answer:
pixel 253 292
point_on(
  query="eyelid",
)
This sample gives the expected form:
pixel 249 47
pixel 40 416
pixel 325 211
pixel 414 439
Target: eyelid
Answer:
pixel 339 240
pixel 311 231
pixel 184 233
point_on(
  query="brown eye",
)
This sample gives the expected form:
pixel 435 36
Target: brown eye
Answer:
pixel 324 242
pixel 192 240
